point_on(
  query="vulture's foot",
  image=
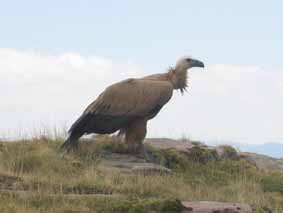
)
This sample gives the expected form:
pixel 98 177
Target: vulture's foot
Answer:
pixel 147 154
pixel 141 151
pixel 134 148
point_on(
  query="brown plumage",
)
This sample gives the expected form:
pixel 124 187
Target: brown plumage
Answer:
pixel 127 105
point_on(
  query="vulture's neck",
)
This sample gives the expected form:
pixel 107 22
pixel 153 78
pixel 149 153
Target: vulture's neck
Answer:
pixel 178 77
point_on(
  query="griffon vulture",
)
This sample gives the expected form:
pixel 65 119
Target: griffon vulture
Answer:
pixel 128 105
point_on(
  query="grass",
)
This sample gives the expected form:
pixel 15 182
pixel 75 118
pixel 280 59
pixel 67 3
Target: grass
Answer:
pixel 35 177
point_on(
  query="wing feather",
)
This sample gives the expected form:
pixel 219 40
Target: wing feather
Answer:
pixel 133 97
pixel 121 103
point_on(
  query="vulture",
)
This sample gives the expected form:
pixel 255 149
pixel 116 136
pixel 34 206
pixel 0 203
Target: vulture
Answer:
pixel 127 106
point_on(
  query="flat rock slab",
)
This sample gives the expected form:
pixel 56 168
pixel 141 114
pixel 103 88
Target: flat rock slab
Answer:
pixel 131 164
pixel 215 207
pixel 165 143
pixel 151 170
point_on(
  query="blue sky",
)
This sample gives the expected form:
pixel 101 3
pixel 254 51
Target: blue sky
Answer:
pixel 149 32
pixel 56 46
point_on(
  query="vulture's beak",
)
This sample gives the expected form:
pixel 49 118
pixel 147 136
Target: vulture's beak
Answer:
pixel 197 63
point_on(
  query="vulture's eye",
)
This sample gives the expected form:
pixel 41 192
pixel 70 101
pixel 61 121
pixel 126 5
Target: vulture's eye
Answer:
pixel 189 60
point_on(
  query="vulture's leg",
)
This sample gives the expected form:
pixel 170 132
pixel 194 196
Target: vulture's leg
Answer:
pixel 135 135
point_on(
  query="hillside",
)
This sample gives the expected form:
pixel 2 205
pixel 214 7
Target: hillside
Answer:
pixel 270 149
pixel 103 177
pixel 265 162
pixel 261 161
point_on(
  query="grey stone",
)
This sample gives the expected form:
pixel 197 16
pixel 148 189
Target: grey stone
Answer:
pixel 215 207
pixel 151 170
pixel 131 164
pixel 165 143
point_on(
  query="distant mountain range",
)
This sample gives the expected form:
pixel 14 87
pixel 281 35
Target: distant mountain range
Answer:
pixel 271 149
pixel 274 149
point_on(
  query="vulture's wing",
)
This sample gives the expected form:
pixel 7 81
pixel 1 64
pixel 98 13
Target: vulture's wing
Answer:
pixel 120 103
pixel 131 97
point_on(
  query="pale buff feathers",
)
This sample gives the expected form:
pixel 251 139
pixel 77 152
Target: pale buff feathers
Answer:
pixel 133 97
pixel 139 96
pixel 129 104
pixel 178 79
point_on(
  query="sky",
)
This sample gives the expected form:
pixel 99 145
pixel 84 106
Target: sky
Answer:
pixel 57 56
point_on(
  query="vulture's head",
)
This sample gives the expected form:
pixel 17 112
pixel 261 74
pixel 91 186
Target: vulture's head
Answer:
pixel 178 75
pixel 186 63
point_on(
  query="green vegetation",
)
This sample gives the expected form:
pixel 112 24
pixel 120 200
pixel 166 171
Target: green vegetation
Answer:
pixel 35 176
pixel 272 183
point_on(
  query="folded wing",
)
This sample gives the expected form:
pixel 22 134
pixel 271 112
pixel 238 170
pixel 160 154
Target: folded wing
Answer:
pixel 122 103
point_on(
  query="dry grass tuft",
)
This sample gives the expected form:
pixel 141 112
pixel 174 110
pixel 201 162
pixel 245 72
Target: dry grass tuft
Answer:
pixel 34 176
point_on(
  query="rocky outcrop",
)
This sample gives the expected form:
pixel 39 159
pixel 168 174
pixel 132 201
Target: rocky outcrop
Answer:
pixel 263 161
pixel 215 207
pixel 127 163
pixel 165 143
pixel 222 152
pixel 188 147
pixel 151 170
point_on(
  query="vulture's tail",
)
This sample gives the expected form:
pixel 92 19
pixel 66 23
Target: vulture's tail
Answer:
pixel 75 132
pixel 70 144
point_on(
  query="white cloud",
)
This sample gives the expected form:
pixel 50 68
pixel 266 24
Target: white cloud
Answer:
pixel 225 102
pixel 234 103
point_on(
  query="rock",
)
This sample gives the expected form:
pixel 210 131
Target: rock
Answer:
pixel 215 207
pixel 131 164
pixel 226 152
pixel 165 143
pixel 151 170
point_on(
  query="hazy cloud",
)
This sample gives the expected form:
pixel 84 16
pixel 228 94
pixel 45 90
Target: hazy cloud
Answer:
pixel 223 102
